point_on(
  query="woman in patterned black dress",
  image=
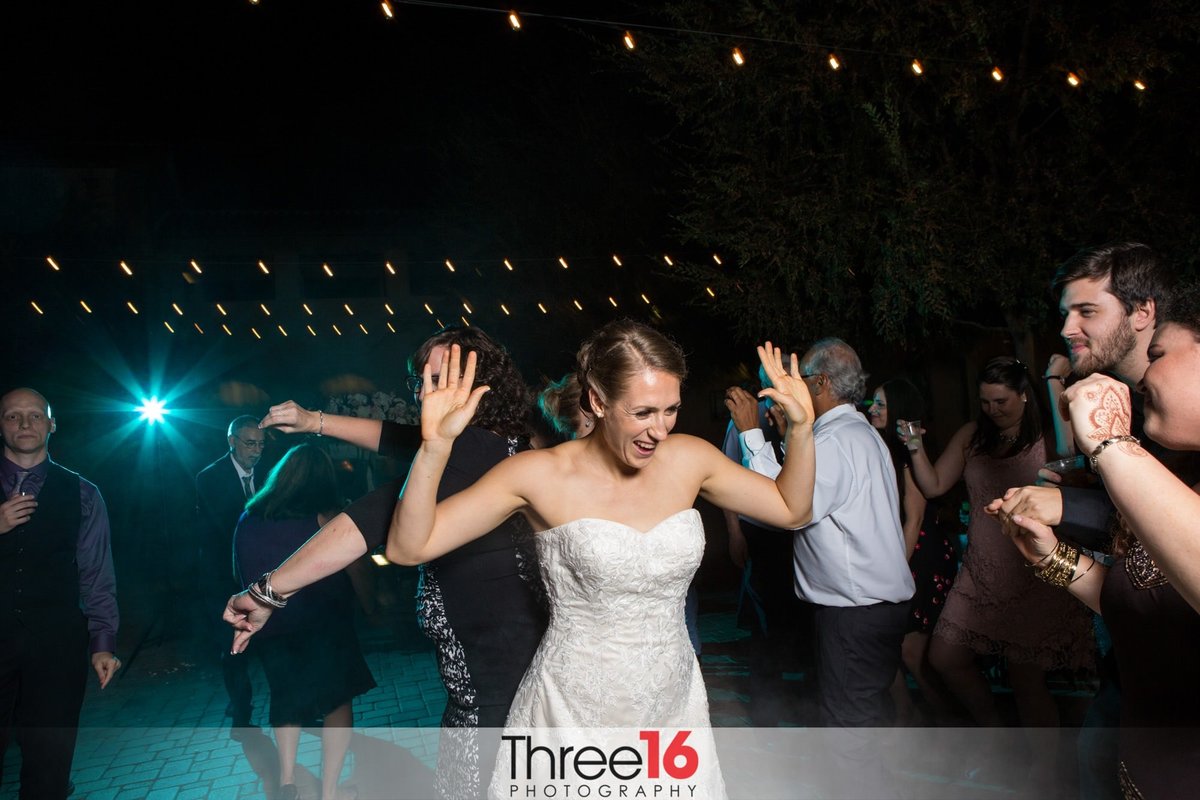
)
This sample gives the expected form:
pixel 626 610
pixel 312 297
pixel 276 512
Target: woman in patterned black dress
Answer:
pixel 932 556
pixel 480 604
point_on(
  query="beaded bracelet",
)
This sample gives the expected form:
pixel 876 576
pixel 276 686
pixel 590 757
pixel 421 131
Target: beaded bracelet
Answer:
pixel 321 428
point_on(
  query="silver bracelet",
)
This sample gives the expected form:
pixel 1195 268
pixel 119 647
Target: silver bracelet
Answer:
pixel 1093 459
pixel 321 429
pixel 262 592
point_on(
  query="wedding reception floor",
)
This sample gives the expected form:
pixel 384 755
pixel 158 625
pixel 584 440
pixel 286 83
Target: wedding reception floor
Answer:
pixel 159 731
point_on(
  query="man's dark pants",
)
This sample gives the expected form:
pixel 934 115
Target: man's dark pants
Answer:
pixel 858 654
pixel 43 674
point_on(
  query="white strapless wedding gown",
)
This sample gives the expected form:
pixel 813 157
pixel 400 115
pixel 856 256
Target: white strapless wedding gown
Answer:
pixel 616 654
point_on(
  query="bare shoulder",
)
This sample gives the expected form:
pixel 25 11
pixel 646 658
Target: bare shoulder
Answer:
pixel 963 435
pixel 683 447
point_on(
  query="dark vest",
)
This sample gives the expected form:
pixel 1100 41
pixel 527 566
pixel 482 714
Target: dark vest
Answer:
pixel 39 579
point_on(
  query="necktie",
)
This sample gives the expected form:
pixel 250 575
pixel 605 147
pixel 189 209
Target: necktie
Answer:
pixel 249 490
pixel 17 482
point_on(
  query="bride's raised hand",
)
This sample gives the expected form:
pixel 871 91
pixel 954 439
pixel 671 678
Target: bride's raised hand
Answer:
pixel 448 407
pixel 787 389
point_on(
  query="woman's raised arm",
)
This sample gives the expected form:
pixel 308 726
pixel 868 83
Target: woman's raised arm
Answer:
pixel 785 502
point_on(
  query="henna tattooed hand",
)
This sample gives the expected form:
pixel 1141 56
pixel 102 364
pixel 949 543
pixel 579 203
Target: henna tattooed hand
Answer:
pixel 1099 409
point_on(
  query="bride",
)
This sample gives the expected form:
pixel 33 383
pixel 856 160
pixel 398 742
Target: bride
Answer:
pixel 618 538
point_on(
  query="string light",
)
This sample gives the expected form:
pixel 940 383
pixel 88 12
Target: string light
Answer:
pixel 310 330
pixel 630 44
pixel 178 310
pixel 834 64
pixel 645 299
pixel 1073 79
pixel 738 58
pixel 225 328
pixel 264 269
pixel 388 266
pixel 465 321
pixel 542 308
pixel 168 326
pixel 427 308
pixel 36 307
pixel 388 308
pixel 336 330
pixel 328 271
pixel 917 68
pixel 617 260
pixel 514 20
pixel 439 323
pixel 281 330
pixel 132 307
pixel 508 265
pixel 717 259
pixel 611 300
pixel 467 307
pixel 997 75
pixel 257 335
pixel 667 259
pixel 198 328
pixel 504 308
pixel 125 268
pixel 53 265
pixel 710 291
pixel 307 310
pixel 387 9
pixel 562 261
pixel 1141 87
pixel 86 307
pixel 390 328
pixel 449 265
pixel 362 327
pixel 349 310
pixel 196 267
pixel 221 308
pixel 264 308
pixel 576 302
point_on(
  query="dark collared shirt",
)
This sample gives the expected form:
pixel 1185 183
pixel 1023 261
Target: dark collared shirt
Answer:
pixel 93 553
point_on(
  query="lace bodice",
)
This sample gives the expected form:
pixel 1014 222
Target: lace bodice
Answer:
pixel 616 654
pixel 617 651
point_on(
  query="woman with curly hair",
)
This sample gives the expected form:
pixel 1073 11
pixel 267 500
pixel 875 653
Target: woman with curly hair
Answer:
pixel 479 604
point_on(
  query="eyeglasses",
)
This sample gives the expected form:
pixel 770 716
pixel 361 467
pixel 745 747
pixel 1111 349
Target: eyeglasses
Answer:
pixel 416 383
pixel 253 444
pixel 807 375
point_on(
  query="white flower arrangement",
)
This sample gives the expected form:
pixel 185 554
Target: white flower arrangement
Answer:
pixel 378 405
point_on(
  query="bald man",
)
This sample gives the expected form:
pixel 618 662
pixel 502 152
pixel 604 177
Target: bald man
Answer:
pixel 57 597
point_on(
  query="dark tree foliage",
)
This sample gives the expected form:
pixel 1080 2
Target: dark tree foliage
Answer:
pixel 869 200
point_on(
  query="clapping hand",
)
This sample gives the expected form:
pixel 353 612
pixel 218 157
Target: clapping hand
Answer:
pixel 1032 537
pixel 787 389
pixel 448 408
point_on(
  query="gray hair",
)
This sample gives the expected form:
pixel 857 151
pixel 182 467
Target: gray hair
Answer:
pixel 838 362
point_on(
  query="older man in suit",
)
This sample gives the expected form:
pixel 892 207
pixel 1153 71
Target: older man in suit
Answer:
pixel 222 489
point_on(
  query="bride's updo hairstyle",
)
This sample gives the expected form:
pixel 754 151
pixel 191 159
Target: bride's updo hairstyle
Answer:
pixel 617 352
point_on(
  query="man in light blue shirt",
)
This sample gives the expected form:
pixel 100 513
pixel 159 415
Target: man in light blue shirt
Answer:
pixel 849 562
